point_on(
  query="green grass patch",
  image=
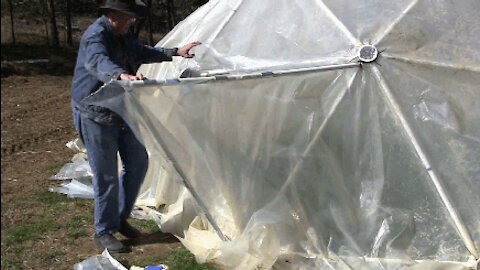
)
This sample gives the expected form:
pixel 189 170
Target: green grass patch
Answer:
pixel 84 203
pixel 183 259
pixel 51 255
pixel 26 232
pixel 75 234
pixel 48 197
pixel 12 264
pixel 15 250
pixel 178 259
pixel 144 225
pixel 77 224
pixel 80 221
pixel 57 203
pixel 146 261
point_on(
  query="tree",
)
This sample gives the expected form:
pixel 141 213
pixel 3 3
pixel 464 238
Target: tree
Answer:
pixel 10 7
pixel 150 28
pixel 53 23
pixel 68 22
pixel 171 17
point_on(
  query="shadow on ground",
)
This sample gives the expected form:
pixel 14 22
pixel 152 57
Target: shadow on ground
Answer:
pixel 152 238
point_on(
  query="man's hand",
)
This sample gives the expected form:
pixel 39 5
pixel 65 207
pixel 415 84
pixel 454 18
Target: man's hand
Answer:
pixel 184 50
pixel 128 77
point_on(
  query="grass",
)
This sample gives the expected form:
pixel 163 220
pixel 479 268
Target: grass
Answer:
pixel 26 232
pixel 47 197
pixel 15 237
pixel 182 259
pixel 178 259
pixel 76 234
pixel 51 255
pixel 147 225
pixel 41 225
pixel 77 226
pixel 12 264
pixel 78 222
pixel 56 204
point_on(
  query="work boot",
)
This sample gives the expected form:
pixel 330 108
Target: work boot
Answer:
pixel 128 231
pixel 112 244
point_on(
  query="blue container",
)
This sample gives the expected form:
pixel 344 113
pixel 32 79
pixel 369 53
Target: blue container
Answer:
pixel 156 267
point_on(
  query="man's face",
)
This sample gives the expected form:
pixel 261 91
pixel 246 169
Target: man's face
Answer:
pixel 120 22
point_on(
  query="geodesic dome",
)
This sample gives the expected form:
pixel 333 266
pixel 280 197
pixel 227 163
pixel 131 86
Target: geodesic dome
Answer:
pixel 316 134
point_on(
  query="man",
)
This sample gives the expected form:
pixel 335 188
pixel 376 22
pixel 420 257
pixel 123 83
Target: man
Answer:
pixel 108 51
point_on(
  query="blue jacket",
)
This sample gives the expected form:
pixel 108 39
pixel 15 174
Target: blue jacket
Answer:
pixel 102 57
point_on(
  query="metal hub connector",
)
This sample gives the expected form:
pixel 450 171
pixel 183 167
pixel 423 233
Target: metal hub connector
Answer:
pixel 367 53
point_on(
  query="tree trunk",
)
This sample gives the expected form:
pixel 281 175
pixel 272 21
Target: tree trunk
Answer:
pixel 171 14
pixel 53 24
pixel 10 6
pixel 149 18
pixel 45 18
pixel 143 12
pixel 68 21
pixel 47 36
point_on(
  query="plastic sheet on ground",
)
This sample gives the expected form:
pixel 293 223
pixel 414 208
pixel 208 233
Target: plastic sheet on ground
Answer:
pixel 76 176
pixel 367 167
pixel 104 261
pixel 75 189
pixel 78 168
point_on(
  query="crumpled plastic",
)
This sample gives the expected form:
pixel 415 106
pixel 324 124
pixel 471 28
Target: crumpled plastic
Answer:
pixel 76 176
pixel 104 261
pixel 75 189
pixel 77 169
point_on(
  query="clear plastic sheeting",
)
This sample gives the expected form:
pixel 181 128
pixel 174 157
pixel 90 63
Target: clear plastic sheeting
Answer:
pixel 104 261
pixel 78 168
pixel 374 166
pixel 76 176
pixel 76 145
pixel 75 189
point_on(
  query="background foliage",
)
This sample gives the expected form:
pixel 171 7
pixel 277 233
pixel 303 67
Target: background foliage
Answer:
pixel 59 17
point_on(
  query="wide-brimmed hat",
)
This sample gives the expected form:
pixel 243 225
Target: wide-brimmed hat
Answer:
pixel 128 7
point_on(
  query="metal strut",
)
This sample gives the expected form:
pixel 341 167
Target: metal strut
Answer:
pixel 229 77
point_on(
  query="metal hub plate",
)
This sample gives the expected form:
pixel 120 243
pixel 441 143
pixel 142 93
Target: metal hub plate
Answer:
pixel 367 53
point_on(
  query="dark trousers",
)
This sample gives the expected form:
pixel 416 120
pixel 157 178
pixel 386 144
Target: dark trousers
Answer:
pixel 114 192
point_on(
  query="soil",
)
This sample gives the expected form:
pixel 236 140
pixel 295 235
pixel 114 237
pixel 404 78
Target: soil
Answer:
pixel 35 126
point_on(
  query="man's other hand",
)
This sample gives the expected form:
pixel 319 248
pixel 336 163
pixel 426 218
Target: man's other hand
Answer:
pixel 128 77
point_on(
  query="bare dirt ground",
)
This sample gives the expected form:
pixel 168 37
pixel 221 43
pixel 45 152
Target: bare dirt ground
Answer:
pixel 40 229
